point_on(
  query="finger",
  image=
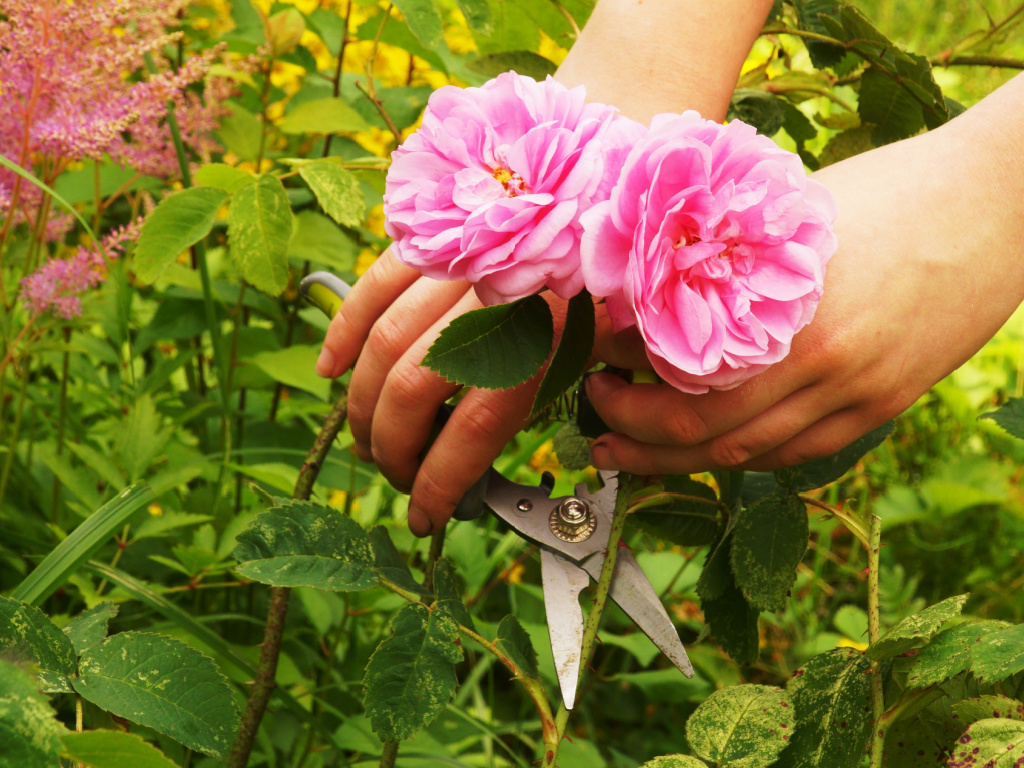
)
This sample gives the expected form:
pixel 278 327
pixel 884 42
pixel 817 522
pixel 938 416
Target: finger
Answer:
pixel 661 414
pixel 824 438
pixel 624 349
pixel 731 450
pixel 390 337
pixel 477 431
pixel 409 399
pixel 385 280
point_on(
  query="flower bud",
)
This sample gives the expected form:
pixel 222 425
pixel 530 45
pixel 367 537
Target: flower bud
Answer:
pixel 284 31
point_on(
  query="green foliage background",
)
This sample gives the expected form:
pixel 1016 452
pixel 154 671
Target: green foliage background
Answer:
pixel 145 441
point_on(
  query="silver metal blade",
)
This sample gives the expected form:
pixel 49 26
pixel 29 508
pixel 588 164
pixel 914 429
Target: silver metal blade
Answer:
pixel 563 582
pixel 634 594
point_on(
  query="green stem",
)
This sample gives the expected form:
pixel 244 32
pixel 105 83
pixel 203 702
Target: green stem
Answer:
pixel 204 275
pixel 389 755
pixel 880 726
pixel 436 547
pixel 273 631
pixel 61 418
pixel 604 584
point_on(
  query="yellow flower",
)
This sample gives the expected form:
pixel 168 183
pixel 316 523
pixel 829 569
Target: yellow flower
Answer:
pixel 551 50
pixel 337 498
pixel 155 510
pixel 365 260
pixel 848 643
pixel 544 459
pixel 375 220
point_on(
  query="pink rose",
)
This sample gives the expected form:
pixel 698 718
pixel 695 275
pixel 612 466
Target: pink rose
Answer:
pixel 491 188
pixel 714 245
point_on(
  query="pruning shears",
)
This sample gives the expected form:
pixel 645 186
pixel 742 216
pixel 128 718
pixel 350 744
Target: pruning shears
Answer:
pixel 572 535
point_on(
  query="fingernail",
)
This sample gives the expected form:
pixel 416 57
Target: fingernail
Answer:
pixel 325 363
pixel 602 384
pixel 600 456
pixel 419 523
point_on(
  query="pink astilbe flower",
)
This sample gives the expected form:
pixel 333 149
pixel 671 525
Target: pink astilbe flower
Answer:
pixel 66 74
pixel 714 244
pixel 491 188
pixel 58 285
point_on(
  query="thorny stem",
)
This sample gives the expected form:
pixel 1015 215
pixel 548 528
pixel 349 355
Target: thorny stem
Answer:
pixel 370 90
pixel 436 547
pixel 880 726
pixel 389 754
pixel 273 631
pixel 604 583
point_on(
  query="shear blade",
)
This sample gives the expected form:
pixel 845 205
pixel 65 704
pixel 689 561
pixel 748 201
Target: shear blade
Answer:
pixel 633 593
pixel 563 582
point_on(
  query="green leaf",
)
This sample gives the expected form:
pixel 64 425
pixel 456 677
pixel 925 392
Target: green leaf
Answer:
pixel 571 449
pixel 90 628
pixel 294 366
pixel 113 749
pixel 809 13
pixel 995 743
pixel 410 678
pixel 574 348
pixel 163 684
pixel 304 544
pixel 831 694
pixel 241 132
pixel 758 108
pixel 675 761
pixel 743 726
pixel 337 191
pixel 998 655
pixel 449 593
pixel 330 115
pixel 847 144
pixel 916 630
pixel 477 14
pixel 716 575
pixel 424 21
pixel 889 106
pixel 494 347
pixel 1009 416
pixel 180 221
pixel 949 653
pixel 389 563
pixel 29 731
pixel 515 643
pixel 320 240
pixel 27 635
pixel 821 472
pixel 259 228
pixel 222 176
pixel 685 522
pixel 522 62
pixel 68 556
pixel 769 541
pixel 733 623
pixel 971 711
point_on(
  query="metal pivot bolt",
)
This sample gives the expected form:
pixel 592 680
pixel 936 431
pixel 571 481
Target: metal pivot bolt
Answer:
pixel 572 520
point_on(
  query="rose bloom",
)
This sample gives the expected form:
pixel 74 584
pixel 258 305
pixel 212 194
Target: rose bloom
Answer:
pixel 491 188
pixel 714 244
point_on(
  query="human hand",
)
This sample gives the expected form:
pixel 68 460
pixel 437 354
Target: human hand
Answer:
pixel 383 330
pixel 926 272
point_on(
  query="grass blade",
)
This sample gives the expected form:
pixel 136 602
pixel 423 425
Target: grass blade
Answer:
pixel 82 544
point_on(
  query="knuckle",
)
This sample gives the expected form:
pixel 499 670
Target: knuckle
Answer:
pixel 386 338
pixel 684 426
pixel 481 422
pixel 406 386
pixel 728 451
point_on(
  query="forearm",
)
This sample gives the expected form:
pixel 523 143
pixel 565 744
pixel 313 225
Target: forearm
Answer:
pixel 651 56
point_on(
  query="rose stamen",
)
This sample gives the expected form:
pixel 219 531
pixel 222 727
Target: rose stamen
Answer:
pixel 512 182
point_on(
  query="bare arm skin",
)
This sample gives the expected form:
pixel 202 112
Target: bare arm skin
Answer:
pixel 645 56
